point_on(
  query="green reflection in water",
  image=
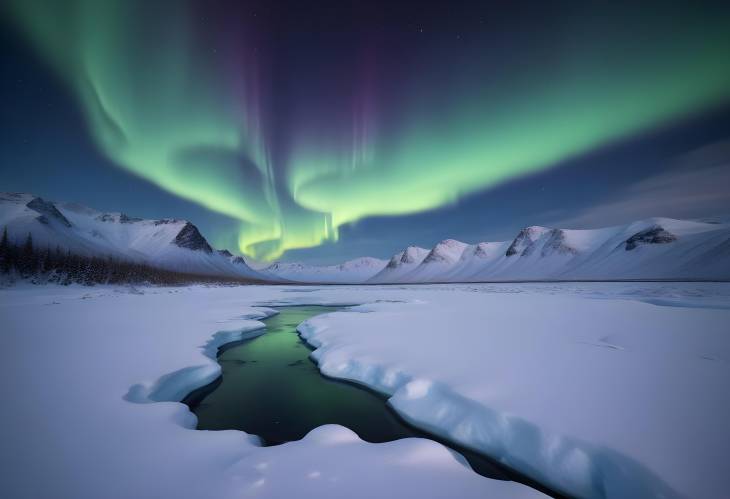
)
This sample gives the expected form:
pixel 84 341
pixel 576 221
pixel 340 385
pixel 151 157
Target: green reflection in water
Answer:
pixel 272 389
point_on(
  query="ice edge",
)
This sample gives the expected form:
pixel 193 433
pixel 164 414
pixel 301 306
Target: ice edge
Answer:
pixel 562 463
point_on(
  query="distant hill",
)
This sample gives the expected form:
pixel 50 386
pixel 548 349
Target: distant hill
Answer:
pixel 655 248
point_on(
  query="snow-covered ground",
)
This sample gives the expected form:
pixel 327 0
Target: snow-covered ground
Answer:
pixel 602 390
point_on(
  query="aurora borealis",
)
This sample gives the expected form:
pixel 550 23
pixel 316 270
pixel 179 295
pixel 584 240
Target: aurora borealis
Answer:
pixel 295 120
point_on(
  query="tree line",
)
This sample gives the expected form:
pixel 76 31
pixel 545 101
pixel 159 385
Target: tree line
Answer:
pixel 56 265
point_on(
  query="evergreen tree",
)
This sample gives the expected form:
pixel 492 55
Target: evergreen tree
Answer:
pixel 28 257
pixel 45 261
pixel 46 265
pixel 4 242
pixel 5 252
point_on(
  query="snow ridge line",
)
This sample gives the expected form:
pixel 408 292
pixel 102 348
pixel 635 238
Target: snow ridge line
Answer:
pixel 565 464
pixel 175 386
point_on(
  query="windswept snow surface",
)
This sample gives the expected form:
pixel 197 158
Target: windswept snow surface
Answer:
pixel 593 389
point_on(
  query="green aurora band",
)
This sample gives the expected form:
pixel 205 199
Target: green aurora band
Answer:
pixel 161 103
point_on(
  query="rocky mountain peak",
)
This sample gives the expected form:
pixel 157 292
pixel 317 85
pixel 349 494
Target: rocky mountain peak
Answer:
pixel 190 238
pixel 524 240
pixel 411 254
pixel 448 250
pixel 47 211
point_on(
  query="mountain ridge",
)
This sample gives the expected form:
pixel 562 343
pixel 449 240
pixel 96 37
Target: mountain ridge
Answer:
pixel 649 249
pixel 168 243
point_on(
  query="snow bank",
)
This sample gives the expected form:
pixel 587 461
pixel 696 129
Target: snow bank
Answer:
pixel 75 360
pixel 175 386
pixel 598 398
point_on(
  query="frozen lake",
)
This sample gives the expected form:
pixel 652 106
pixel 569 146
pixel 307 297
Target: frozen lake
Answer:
pixel 606 390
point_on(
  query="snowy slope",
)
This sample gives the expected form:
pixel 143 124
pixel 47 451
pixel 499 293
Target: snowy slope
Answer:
pixel 353 271
pixel 438 261
pixel 599 398
pixel 474 258
pixel 662 248
pixel 400 265
pixel 655 248
pixel 168 243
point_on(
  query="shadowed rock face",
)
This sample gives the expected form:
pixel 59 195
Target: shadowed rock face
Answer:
pixel 395 261
pixel 105 217
pixel 47 211
pixel 166 221
pixel 524 240
pixel 190 238
pixel 556 244
pixel 126 219
pixel 481 250
pixel 122 218
pixel 225 253
pixel 653 235
pixel 409 255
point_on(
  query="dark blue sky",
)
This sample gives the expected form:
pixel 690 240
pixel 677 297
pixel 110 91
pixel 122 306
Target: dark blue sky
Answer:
pixel 47 150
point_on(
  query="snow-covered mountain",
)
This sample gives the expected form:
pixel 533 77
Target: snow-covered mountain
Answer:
pixel 437 261
pixel 400 265
pixel 169 244
pixel 655 248
pixel 352 271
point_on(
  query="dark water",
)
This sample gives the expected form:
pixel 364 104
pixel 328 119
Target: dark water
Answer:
pixel 272 389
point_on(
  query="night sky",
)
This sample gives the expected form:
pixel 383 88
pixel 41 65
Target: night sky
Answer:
pixel 328 130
